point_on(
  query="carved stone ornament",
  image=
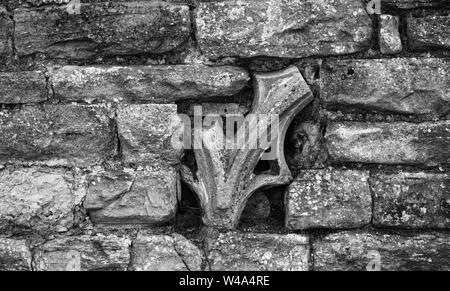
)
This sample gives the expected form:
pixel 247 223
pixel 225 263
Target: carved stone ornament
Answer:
pixel 225 178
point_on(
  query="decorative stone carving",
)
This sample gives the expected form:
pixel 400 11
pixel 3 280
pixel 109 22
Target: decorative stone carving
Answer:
pixel 225 179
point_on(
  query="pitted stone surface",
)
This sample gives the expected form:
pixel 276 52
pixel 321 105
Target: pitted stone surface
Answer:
pixel 429 32
pixel 14 255
pixel 23 87
pixel 282 28
pixel 389 34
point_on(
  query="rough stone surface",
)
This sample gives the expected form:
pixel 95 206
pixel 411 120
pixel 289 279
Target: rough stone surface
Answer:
pixel 407 86
pixel 389 34
pixel 258 252
pixel 83 253
pixel 384 143
pixel 6 26
pixel 151 198
pixel 329 199
pixel 257 208
pixel 145 133
pixel 408 4
pixel 360 251
pixel 411 200
pixel 158 84
pixel 282 28
pixel 307 141
pixel 14 255
pixel 38 199
pixel 23 87
pixel 165 253
pixel 221 109
pixel 110 28
pixel 57 135
pixel 429 32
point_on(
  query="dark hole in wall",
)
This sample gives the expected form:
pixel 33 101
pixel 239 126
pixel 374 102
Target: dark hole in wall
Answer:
pixel 189 212
pixel 264 211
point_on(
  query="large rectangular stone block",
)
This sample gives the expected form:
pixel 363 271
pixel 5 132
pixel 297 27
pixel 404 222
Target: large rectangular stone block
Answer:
pixel 83 253
pixel 108 28
pixel 329 199
pixel 23 87
pixel 236 251
pixel 282 28
pixel 38 199
pixel 401 85
pixel 428 32
pixel 389 143
pixel 361 251
pixel 57 135
pixel 411 200
pixel 158 84
pixel 145 133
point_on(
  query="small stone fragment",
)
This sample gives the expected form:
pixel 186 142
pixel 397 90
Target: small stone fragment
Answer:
pixel 389 34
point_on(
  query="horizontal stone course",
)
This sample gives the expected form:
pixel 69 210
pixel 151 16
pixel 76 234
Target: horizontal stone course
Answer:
pixel 83 253
pixel 156 84
pixel 23 87
pixel 329 199
pixel 57 135
pixel 14 255
pixel 38 199
pixel 361 251
pixel 401 85
pixel 143 197
pixel 111 28
pixel 411 200
pixel 389 143
pixel 282 28
pixel 173 252
pixel 236 251
pixel 409 4
pixel 428 32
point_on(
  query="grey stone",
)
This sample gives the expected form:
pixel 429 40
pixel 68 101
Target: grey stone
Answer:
pixel 409 4
pixel 165 253
pixel 14 255
pixel 23 87
pixel 282 28
pixel 329 199
pixel 145 133
pixel 158 84
pixel 257 208
pixel 389 34
pixel 150 200
pixel 57 135
pixel 411 200
pixel 6 28
pixel 389 143
pixel 428 32
pixel 83 253
pixel 38 199
pixel 235 251
pixel 361 251
pixel 111 28
pixel 402 85
pixel 307 140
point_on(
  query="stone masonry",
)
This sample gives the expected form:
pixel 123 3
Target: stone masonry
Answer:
pixel 90 102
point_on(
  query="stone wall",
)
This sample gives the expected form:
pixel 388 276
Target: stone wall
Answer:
pixel 89 181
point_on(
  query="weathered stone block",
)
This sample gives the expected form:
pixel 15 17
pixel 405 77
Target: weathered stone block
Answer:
pixel 429 32
pixel 235 251
pixel 38 199
pixel 6 28
pixel 160 84
pixel 145 133
pixel 389 143
pixel 282 28
pixel 111 28
pixel 389 34
pixel 14 255
pixel 83 253
pixel 165 253
pixel 360 251
pixel 57 135
pixel 23 87
pixel 329 199
pixel 144 197
pixel 411 200
pixel 403 85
